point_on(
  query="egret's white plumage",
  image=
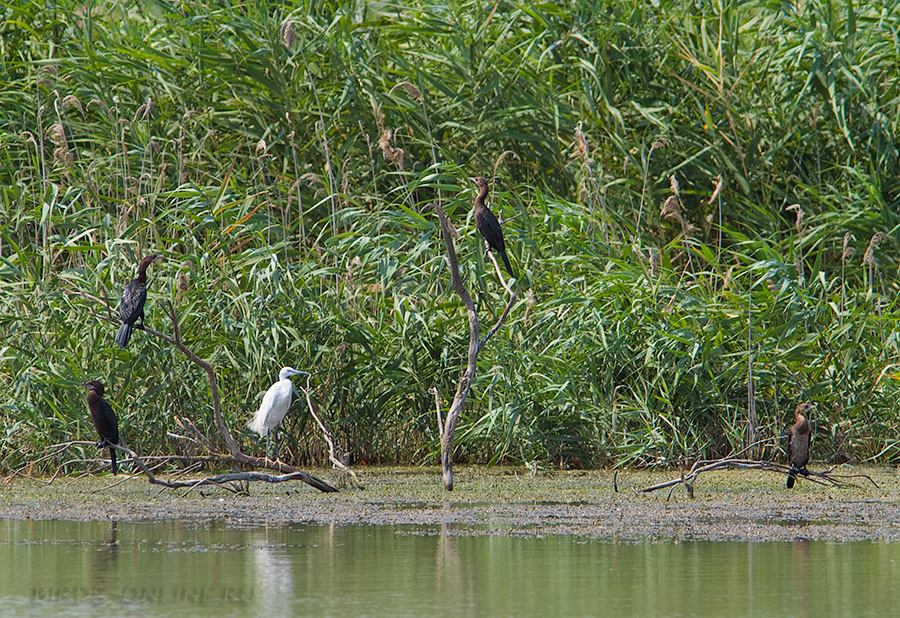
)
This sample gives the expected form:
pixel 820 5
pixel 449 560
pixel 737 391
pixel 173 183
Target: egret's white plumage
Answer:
pixel 275 404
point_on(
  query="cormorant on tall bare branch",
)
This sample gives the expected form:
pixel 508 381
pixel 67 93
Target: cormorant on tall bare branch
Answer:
pixel 488 224
pixel 104 418
pixel 798 443
pixel 131 307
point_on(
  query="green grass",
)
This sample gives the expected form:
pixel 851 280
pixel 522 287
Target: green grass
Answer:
pixel 258 147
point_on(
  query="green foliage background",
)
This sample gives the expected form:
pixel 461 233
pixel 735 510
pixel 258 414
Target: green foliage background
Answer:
pixel 283 156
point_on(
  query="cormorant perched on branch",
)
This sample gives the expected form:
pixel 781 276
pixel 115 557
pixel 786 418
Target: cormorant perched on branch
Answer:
pixel 104 418
pixel 275 405
pixel 487 223
pixel 798 443
pixel 131 307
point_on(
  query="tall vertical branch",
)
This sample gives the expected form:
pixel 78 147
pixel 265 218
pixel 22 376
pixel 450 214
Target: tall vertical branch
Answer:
pixel 465 382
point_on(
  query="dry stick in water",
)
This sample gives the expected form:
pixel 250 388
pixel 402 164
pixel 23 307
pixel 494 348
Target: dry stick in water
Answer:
pixel 465 382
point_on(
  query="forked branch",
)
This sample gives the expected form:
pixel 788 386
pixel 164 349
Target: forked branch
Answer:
pixel 448 430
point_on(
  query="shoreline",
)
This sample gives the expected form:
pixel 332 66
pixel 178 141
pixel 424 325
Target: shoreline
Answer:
pixel 728 505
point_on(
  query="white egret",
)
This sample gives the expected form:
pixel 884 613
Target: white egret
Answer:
pixel 275 405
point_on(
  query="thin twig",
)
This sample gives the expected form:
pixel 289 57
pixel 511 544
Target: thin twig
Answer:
pixel 437 406
pixel 336 461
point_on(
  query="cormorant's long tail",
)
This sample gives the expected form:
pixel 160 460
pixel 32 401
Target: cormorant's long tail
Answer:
pixel 112 459
pixel 507 264
pixel 792 477
pixel 123 335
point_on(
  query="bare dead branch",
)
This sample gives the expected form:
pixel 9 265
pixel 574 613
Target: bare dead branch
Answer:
pixel 465 381
pixel 700 466
pixel 336 460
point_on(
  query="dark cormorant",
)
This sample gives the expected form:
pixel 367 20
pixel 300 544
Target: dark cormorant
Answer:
pixel 131 307
pixel 487 223
pixel 798 443
pixel 104 418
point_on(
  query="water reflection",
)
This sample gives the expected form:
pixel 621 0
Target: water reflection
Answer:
pixel 190 568
pixel 273 575
pixel 103 561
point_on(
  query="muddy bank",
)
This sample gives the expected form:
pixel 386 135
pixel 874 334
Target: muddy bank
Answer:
pixel 729 505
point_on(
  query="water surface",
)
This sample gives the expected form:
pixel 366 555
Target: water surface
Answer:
pixel 194 568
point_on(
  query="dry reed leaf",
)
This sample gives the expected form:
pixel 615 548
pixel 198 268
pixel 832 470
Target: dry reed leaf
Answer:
pixel 57 134
pixel 312 179
pixel 847 251
pixel 72 101
pixel 503 155
pixel 530 302
pixel 287 34
pixel 582 148
pixel 719 184
pixel 410 90
pixel 99 104
pixel 869 257
pixel 61 154
pixel 671 209
pixel 143 111
pixel 798 224
pixel 379 117
pixel 729 278
pixel 394 155
pixel 658 144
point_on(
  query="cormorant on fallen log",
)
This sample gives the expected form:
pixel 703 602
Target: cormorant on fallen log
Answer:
pixel 488 224
pixel 104 418
pixel 798 443
pixel 131 307
pixel 275 405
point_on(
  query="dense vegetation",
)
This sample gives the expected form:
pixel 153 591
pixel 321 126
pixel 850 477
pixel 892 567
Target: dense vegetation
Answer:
pixel 701 204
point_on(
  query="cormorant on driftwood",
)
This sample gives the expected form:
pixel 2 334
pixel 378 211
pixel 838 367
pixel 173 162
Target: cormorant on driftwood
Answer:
pixel 104 418
pixel 131 307
pixel 798 443
pixel 487 223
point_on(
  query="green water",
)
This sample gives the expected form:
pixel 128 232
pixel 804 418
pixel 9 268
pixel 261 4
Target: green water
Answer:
pixel 53 568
